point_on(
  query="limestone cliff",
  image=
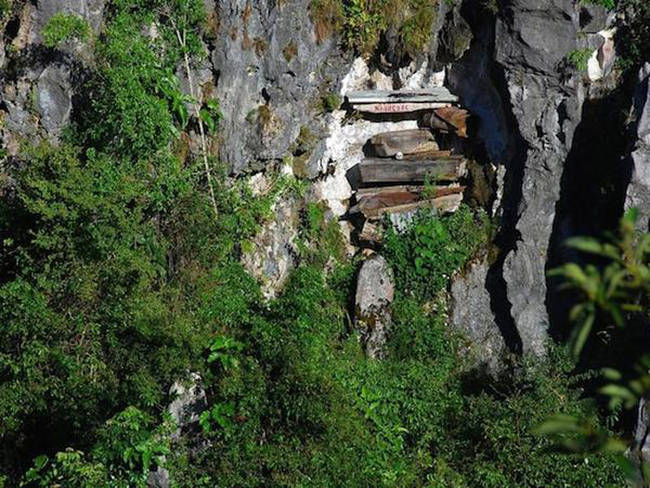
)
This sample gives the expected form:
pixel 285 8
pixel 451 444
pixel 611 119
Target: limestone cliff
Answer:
pixel 280 83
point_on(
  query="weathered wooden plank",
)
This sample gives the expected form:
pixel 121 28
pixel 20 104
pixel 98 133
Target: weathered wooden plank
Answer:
pixel 397 108
pixel 381 191
pixel 445 204
pixel 409 141
pixel 371 233
pixel 435 94
pixel 373 205
pixel 367 192
pixel 392 171
pixel 427 155
pixel 450 119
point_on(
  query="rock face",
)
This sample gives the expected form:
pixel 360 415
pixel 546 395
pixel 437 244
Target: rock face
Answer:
pixel 159 478
pixel 532 39
pixel 485 345
pixel 274 250
pixel 189 402
pixel 272 73
pixel 641 447
pixel 90 10
pixel 375 294
pixel 54 98
pixel 638 192
pixel 528 106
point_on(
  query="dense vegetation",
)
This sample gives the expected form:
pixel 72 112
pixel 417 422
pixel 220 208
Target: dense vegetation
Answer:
pixel 117 279
pixel 362 22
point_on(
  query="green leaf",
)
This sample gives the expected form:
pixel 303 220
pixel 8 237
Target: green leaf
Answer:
pixel 583 334
pixel 618 391
pixel 207 119
pixel 558 424
pixel 612 374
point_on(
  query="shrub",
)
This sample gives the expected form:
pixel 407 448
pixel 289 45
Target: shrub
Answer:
pixel 117 279
pixel 633 35
pixel 432 248
pixel 580 58
pixel 62 27
pixel 361 22
pixel 126 450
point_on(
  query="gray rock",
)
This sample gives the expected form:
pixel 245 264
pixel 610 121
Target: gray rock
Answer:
pixel 274 253
pixel 472 317
pixel 90 10
pixel 375 294
pixel 54 98
pixel 534 36
pixel 640 451
pixel 593 18
pixel 471 79
pixel 159 478
pixel 638 191
pixel 185 409
pixel 532 39
pixel 454 37
pixel 642 104
pixel 272 74
pixel 189 402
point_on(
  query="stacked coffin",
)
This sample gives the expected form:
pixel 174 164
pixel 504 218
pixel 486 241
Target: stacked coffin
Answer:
pixel 407 169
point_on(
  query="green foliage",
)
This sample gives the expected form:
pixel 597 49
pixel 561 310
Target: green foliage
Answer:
pixel 126 450
pixel 222 349
pixel 615 292
pixel 5 10
pixel 433 248
pixel 320 235
pixel 62 27
pixel 219 416
pixel 330 102
pixel 620 287
pixel 116 280
pixel 107 248
pixel 303 398
pixel 608 4
pixel 633 35
pixel 579 58
pixel 361 22
pixel 211 115
pixel 130 109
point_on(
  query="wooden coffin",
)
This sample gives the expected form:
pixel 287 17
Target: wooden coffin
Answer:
pixel 373 171
pixel 444 204
pixel 397 108
pixel 371 192
pixel 432 95
pixel 411 141
pixel 374 205
pixel 448 119
pixel 427 155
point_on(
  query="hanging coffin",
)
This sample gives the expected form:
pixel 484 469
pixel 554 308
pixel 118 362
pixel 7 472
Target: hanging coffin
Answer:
pixel 413 141
pixel 378 170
